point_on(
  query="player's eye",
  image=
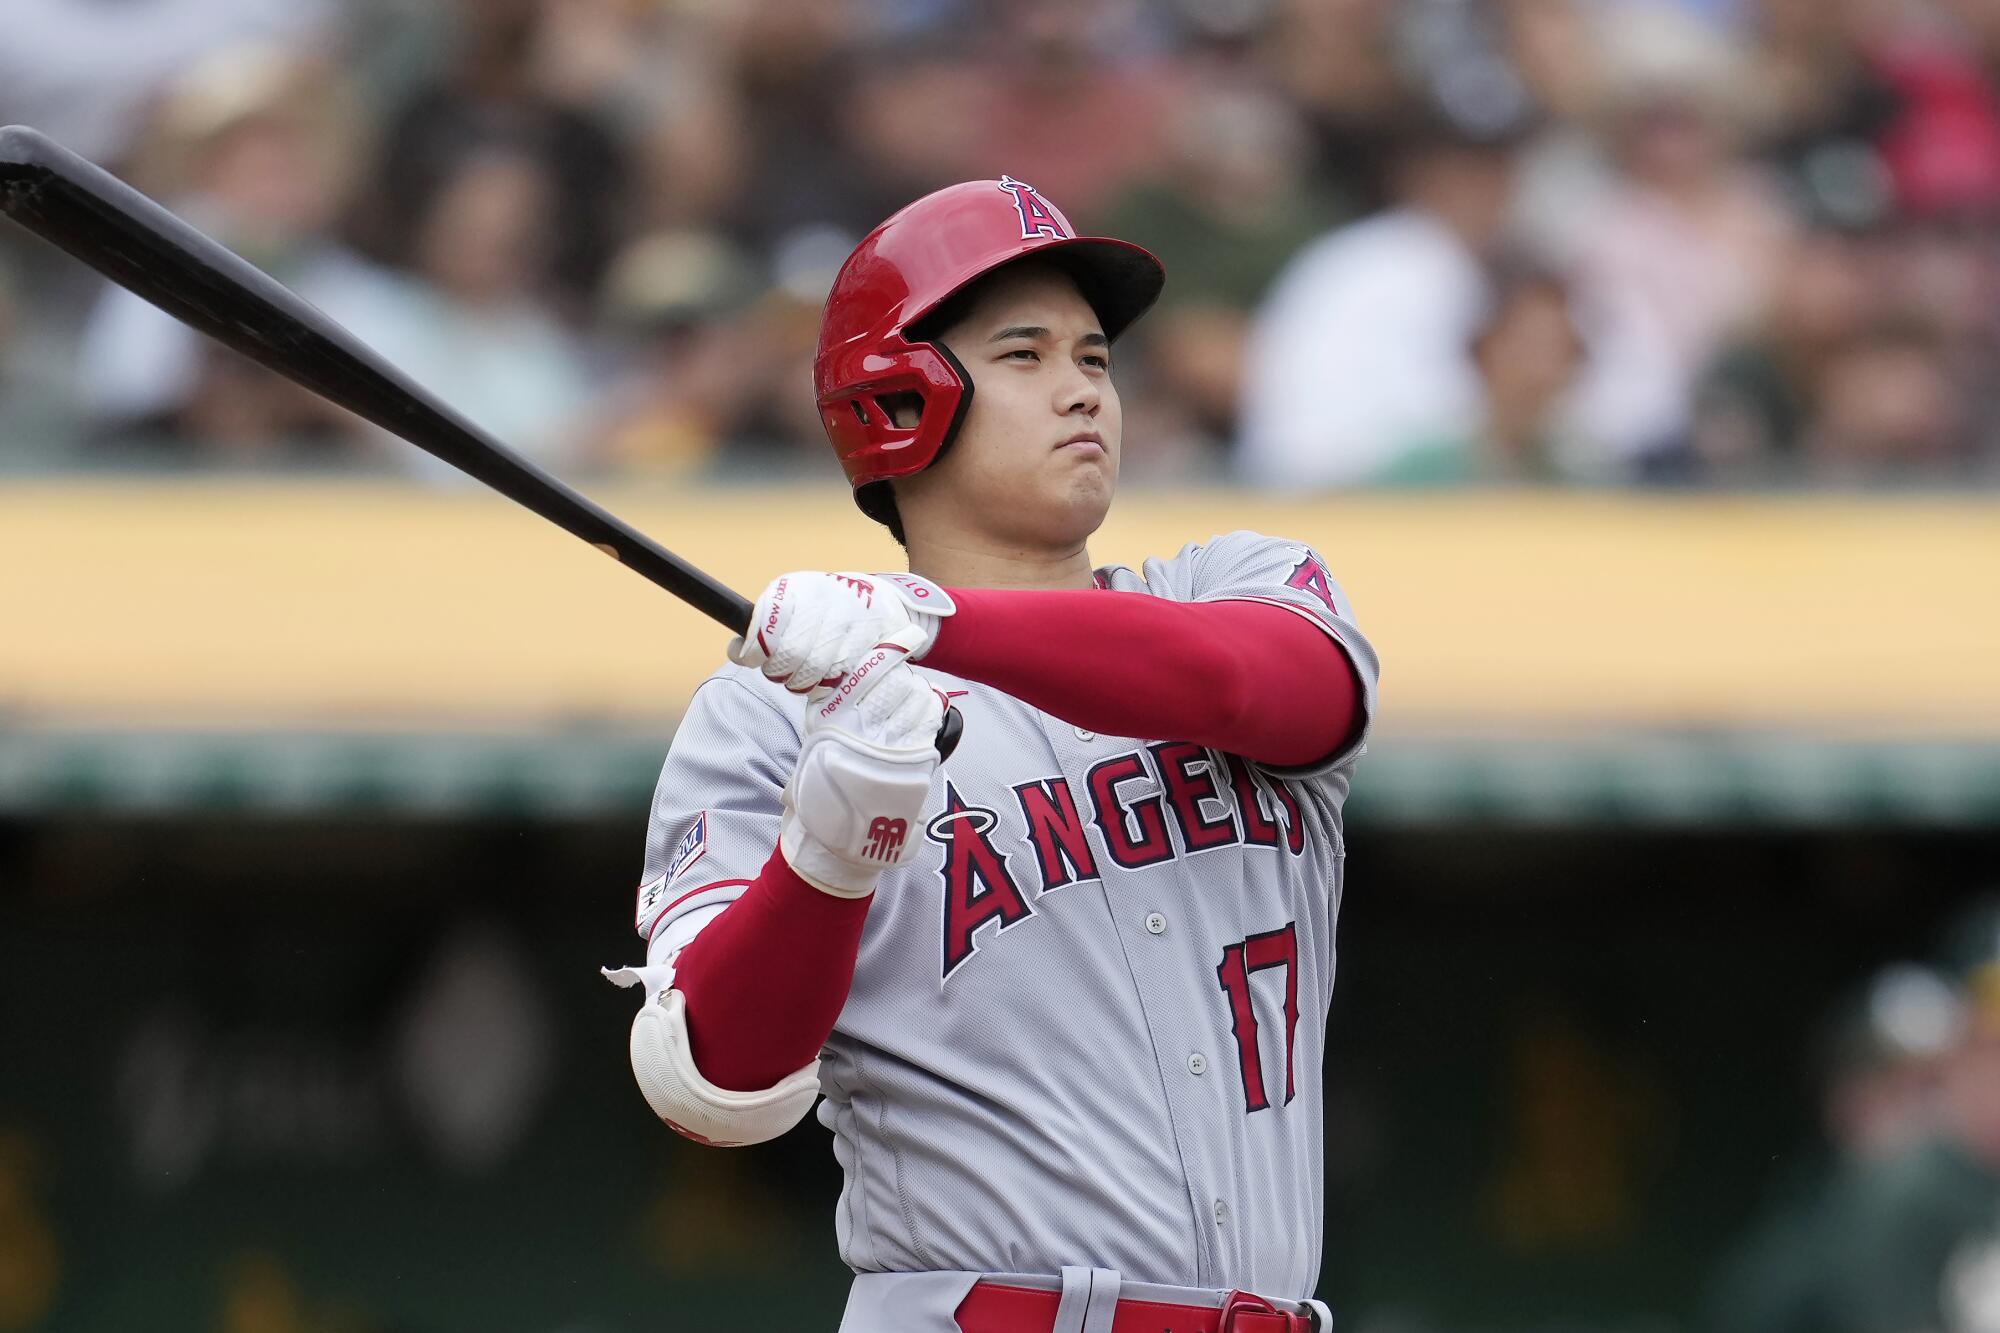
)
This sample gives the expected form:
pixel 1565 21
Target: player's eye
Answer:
pixel 1097 359
pixel 1028 352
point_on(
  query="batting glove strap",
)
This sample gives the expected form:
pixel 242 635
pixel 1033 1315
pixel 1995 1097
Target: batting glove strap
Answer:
pixel 854 805
pixel 926 602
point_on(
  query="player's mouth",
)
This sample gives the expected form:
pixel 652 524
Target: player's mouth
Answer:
pixel 1088 441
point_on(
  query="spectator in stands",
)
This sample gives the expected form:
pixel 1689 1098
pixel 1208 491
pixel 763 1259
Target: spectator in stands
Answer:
pixel 88 74
pixel 1060 66
pixel 1940 144
pixel 1872 365
pixel 470 319
pixel 681 302
pixel 841 117
pixel 1336 61
pixel 908 123
pixel 1685 338
pixel 1752 406
pixel 1910 1239
pixel 1886 406
pixel 1822 104
pixel 1360 355
pixel 512 77
pixel 1233 204
pixel 250 145
pixel 1881 1062
pixel 696 150
pixel 1550 46
pixel 1527 354
pixel 1674 258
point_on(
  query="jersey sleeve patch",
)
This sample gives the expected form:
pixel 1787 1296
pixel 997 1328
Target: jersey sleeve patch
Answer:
pixel 1310 575
pixel 693 846
pixel 651 894
pixel 720 796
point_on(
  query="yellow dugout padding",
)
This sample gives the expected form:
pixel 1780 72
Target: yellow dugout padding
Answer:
pixel 324 603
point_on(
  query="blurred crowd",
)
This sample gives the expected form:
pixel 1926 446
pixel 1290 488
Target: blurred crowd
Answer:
pixel 1410 242
pixel 1897 1228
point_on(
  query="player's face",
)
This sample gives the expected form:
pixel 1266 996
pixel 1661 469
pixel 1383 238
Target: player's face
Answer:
pixel 1036 459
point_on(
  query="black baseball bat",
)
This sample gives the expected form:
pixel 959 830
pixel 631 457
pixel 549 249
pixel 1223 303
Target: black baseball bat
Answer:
pixel 133 241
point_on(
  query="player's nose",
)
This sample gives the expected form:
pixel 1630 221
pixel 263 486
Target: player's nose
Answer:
pixel 1078 392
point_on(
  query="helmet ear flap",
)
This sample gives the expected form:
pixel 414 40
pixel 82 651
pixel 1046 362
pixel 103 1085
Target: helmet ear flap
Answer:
pixel 862 416
pixel 876 498
pixel 962 402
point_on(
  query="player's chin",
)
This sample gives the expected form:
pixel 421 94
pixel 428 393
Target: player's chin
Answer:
pixel 1078 502
pixel 1081 468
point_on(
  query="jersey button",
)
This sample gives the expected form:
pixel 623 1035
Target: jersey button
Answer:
pixel 1083 735
pixel 1197 1064
pixel 1155 924
pixel 1221 1212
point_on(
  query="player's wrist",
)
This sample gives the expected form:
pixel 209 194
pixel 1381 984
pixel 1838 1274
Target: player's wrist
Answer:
pixel 857 792
pixel 816 864
pixel 927 604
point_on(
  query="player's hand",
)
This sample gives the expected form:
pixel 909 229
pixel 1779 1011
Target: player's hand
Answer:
pixel 810 630
pixel 854 806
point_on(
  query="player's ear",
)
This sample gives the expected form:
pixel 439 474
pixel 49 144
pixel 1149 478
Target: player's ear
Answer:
pixel 904 409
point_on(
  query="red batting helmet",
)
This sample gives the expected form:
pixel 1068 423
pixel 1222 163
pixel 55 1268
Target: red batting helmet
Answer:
pixel 905 270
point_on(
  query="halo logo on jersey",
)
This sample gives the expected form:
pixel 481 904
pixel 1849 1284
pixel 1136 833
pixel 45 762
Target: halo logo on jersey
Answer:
pixel 885 838
pixel 1037 218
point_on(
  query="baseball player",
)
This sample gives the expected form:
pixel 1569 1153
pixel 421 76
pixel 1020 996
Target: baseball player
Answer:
pixel 1061 996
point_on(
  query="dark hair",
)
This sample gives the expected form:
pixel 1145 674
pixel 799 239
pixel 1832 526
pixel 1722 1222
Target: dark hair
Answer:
pixel 877 499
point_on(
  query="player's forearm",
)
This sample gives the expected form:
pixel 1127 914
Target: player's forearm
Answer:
pixel 765 981
pixel 1252 679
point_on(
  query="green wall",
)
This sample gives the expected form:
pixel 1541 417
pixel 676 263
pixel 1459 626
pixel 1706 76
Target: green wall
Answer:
pixel 1566 1066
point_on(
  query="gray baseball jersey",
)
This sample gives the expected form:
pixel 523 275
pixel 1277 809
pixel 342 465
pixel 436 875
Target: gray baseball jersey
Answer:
pixel 1087 1020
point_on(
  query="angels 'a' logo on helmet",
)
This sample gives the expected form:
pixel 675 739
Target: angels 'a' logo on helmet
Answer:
pixel 1037 218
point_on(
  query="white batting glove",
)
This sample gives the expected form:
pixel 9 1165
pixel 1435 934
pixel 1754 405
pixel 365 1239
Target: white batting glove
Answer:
pixel 854 806
pixel 809 630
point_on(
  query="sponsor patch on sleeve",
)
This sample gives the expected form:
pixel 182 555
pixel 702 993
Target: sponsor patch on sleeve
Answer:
pixel 650 894
pixel 693 845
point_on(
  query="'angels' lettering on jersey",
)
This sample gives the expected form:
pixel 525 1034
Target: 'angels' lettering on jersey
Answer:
pixel 1208 799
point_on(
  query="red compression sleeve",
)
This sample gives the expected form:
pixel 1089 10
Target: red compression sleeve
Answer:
pixel 765 981
pixel 1246 677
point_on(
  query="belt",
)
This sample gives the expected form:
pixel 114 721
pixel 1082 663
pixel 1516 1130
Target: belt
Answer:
pixel 993 1307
